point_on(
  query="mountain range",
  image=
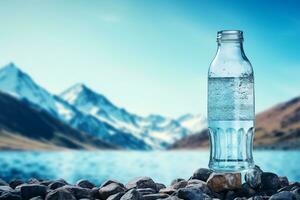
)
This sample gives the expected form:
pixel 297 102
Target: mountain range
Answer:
pixel 93 115
pixel 276 128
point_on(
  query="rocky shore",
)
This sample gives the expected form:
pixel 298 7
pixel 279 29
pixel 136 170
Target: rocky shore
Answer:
pixel 202 185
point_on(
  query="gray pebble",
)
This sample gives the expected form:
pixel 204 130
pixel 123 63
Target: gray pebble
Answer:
pixel 155 196
pixel 60 194
pixel 177 180
pixel 283 195
pixel 78 192
pixel 116 196
pixel 37 198
pixel 3 183
pixel 269 181
pixel 283 181
pixel 107 182
pixel 296 192
pixel 110 189
pixel 33 181
pixel 9 196
pixel 144 191
pixel 159 186
pixel 141 182
pixel 180 184
pixel 85 184
pixel 192 194
pixel 202 174
pixel 32 190
pixel 253 177
pixel 167 190
pixel 132 194
pixel 5 188
pixel 14 183
pixel 56 184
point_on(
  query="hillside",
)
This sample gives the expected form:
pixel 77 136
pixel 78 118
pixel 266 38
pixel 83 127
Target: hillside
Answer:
pixel 24 127
pixel 276 128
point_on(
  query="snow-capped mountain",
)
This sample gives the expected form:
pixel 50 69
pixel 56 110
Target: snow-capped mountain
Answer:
pixel 155 130
pixel 19 84
pixel 91 112
pixel 195 123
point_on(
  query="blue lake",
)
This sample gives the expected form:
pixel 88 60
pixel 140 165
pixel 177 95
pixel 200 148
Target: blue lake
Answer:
pixel 162 166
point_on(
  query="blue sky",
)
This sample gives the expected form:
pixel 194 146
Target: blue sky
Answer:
pixel 150 56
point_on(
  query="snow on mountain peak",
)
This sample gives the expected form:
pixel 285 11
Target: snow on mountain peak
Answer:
pixel 195 123
pixel 80 92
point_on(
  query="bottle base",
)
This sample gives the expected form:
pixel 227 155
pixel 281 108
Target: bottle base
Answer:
pixel 231 166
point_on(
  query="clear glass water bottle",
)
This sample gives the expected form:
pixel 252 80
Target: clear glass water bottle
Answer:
pixel 231 115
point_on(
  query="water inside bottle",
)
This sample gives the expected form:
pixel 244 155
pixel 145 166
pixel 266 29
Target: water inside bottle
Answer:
pixel 231 122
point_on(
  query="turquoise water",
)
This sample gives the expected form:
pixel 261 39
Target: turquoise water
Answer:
pixel 162 166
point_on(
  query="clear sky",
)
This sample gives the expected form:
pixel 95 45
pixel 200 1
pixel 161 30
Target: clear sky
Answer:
pixel 150 56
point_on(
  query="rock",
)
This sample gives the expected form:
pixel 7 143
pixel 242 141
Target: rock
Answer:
pixel 177 180
pixel 60 194
pixel 192 194
pixel 296 192
pixel 5 188
pixel 167 190
pixel 240 198
pixel 269 181
pixel 200 185
pixel 33 181
pixel 180 184
pixel 283 195
pixel 16 182
pixel 32 190
pixel 95 193
pixel 85 184
pixel 202 174
pixel 259 198
pixel 110 189
pixel 155 196
pixel 37 198
pixel 290 187
pixel 46 182
pixel 141 182
pixel 253 177
pixel 107 182
pixel 63 181
pixel 144 191
pixel 160 186
pixel 283 181
pixel 10 196
pixel 3 183
pixel 195 181
pixel 218 182
pixel 116 196
pixel 246 190
pixel 56 184
pixel 230 195
pixel 132 194
pixel 172 198
pixel 78 192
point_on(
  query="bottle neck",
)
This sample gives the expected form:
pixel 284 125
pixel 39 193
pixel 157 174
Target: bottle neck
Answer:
pixel 231 50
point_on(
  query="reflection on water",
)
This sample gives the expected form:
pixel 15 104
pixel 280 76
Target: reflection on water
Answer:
pixel 162 166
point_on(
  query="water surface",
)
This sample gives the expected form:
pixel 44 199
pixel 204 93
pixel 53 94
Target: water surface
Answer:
pixel 162 166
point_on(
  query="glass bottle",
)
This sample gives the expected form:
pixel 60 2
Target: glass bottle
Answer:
pixel 231 114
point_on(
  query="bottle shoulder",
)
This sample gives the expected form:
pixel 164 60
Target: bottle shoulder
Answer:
pixel 230 68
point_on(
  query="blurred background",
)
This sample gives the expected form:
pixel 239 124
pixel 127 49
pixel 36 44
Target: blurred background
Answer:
pixel 117 89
